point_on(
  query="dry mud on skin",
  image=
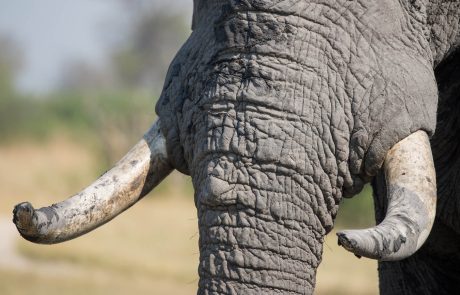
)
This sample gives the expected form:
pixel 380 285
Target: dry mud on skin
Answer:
pixel 11 258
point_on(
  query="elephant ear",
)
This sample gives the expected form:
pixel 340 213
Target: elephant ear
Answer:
pixel 411 187
pixel 114 192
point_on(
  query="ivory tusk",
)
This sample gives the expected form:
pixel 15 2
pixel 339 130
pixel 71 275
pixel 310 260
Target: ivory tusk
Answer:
pixel 411 186
pixel 145 165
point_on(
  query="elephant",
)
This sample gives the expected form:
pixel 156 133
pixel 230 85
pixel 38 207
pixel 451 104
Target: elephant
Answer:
pixel 279 109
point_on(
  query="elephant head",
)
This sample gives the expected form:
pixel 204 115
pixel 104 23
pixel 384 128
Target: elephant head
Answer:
pixel 278 110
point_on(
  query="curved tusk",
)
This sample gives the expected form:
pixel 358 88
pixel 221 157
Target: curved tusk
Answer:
pixel 145 165
pixel 411 186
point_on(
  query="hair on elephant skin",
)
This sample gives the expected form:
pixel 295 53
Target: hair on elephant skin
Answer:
pixel 279 109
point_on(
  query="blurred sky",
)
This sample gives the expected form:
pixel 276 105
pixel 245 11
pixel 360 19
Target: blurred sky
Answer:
pixel 52 33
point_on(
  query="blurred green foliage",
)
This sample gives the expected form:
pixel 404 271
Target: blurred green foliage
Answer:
pixel 357 211
pixel 37 118
pixel 143 59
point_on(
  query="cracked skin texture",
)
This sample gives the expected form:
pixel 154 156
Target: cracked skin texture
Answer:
pixel 278 109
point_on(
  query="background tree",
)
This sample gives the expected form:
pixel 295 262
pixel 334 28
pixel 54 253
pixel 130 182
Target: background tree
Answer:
pixel 10 61
pixel 120 97
pixel 143 58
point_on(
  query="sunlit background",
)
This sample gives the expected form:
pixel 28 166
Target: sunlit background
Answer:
pixel 78 85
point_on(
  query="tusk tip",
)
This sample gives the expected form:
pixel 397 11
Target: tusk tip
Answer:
pixel 23 214
pixel 346 241
pixel 355 242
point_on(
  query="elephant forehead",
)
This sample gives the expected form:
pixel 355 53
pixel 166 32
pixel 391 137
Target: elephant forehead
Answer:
pixel 291 143
pixel 298 88
pixel 206 10
pixel 252 22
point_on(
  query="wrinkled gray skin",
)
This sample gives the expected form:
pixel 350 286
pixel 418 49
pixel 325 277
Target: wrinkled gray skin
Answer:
pixel 278 109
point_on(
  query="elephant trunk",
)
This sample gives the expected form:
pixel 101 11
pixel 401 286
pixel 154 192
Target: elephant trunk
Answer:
pixel 115 191
pixel 261 226
pixel 411 185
